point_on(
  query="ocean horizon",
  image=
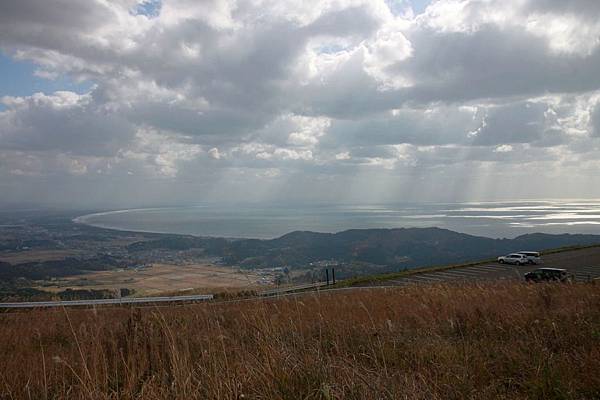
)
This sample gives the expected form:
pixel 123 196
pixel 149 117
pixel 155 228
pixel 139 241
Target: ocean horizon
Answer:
pixel 496 219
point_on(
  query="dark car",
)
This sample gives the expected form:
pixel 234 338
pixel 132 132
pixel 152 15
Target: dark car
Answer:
pixel 547 275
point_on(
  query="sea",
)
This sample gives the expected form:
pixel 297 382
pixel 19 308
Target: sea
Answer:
pixel 491 219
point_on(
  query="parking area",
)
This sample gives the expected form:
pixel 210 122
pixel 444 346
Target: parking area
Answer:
pixel 582 264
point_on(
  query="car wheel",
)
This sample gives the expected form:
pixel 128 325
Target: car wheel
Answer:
pixel 501 261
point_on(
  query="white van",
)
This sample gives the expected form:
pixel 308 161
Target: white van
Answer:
pixel 514 258
pixel 532 256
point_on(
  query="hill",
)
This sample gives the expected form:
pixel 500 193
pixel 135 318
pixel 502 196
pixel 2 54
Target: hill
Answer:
pixel 402 247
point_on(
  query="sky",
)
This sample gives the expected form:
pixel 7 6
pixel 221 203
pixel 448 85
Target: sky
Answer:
pixel 107 103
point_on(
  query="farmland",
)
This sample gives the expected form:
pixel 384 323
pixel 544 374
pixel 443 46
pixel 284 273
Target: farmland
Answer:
pixel 161 278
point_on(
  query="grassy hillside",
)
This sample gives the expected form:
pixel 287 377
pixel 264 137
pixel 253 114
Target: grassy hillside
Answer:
pixel 435 342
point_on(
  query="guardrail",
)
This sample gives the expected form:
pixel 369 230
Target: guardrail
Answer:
pixel 126 300
pixel 288 289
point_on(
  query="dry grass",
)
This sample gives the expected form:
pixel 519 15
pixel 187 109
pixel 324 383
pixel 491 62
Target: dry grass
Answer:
pixel 503 341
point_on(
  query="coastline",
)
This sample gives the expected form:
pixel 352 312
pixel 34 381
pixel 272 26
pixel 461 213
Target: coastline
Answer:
pixel 84 220
pixel 508 221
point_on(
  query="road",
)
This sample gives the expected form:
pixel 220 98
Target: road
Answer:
pixel 127 300
pixel 582 264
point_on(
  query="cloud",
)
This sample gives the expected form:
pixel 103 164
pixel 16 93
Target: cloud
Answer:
pixel 514 123
pixel 505 148
pixel 64 121
pixel 595 120
pixel 222 94
pixel 583 8
pixel 214 153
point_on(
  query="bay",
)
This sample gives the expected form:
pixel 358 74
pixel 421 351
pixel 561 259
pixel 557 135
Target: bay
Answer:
pixel 491 219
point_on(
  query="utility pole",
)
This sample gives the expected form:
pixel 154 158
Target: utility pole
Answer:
pixel 327 275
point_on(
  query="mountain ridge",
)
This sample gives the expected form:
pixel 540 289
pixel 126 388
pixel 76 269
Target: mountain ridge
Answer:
pixel 385 246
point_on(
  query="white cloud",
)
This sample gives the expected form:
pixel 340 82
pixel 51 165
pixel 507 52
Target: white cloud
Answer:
pixel 214 153
pixel 505 148
pixel 345 155
pixel 389 47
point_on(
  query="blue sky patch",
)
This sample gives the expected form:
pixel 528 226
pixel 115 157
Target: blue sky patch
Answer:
pixel 17 79
pixel 149 8
pixel 398 6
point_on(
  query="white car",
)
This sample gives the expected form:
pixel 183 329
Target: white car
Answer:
pixel 514 258
pixel 532 256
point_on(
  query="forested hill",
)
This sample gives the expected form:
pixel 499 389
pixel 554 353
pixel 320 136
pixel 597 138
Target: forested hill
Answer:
pixel 406 247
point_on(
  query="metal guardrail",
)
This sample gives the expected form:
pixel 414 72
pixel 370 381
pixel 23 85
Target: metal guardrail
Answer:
pixel 288 289
pixel 126 300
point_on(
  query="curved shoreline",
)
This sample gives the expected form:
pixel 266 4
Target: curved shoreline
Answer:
pixel 83 219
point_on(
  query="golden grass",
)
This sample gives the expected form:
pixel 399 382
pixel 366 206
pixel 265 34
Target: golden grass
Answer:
pixel 492 341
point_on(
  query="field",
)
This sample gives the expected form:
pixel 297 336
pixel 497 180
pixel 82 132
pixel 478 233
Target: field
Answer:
pixel 160 278
pixel 17 257
pixel 478 341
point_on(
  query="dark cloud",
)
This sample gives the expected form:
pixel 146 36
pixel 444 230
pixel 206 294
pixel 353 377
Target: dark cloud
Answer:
pixel 515 123
pixel 491 63
pixel 62 15
pixel 64 122
pixel 584 8
pixel 595 120
pixel 437 126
